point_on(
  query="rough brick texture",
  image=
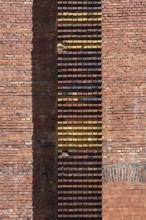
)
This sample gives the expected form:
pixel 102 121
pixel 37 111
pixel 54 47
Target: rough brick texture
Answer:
pixel 28 110
pixel 124 109
pixel 124 201
pixel 16 110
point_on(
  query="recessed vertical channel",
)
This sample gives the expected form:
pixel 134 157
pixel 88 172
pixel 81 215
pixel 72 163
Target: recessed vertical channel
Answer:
pixel 79 110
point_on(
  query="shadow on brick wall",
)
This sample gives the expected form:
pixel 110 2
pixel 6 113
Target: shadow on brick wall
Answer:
pixel 44 93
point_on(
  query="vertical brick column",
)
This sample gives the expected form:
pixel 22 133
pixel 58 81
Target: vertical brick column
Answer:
pixel 79 113
pixel 28 110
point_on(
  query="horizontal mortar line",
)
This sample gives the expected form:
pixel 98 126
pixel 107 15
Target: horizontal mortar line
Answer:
pixel 77 204
pixel 83 53
pixel 79 129
pixel 67 109
pixel 78 6
pixel 64 179
pixel 76 217
pixel 69 182
pixel 73 210
pixel 79 95
pixel 79 188
pixel 67 14
pixel 79 27
pixel 79 64
pixel 80 99
pixel 79 70
pixel 82 146
pixel 87 133
pixel 72 95
pixel 76 107
pixel 81 151
pixel 76 117
pixel 90 168
pixel 79 36
pixel 68 158
pixel 81 1
pixel 67 175
pixel 80 41
pixel 77 52
pixel 79 88
pixel 76 185
pixel 77 140
pixel 72 9
pixel 86 27
pixel 94 181
pixel 80 82
pixel 86 171
pixel 79 73
pixel 84 188
pixel 66 165
pixel 78 19
pixel 80 115
pixel 79 59
pixel 79 33
pixel 79 122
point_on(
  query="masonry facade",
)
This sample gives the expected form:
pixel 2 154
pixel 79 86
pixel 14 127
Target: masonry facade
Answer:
pixel 124 61
pixel 28 176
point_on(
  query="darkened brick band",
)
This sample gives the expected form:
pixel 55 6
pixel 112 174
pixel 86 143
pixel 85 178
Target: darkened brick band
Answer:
pixel 28 92
pixel 44 104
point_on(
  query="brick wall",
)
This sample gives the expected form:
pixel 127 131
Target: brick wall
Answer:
pixel 28 109
pixel 124 107
pixel 16 110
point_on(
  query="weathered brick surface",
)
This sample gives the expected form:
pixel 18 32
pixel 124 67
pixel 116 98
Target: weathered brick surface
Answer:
pixel 124 109
pixel 16 110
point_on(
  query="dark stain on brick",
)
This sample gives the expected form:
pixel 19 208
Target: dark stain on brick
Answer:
pixel 44 80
